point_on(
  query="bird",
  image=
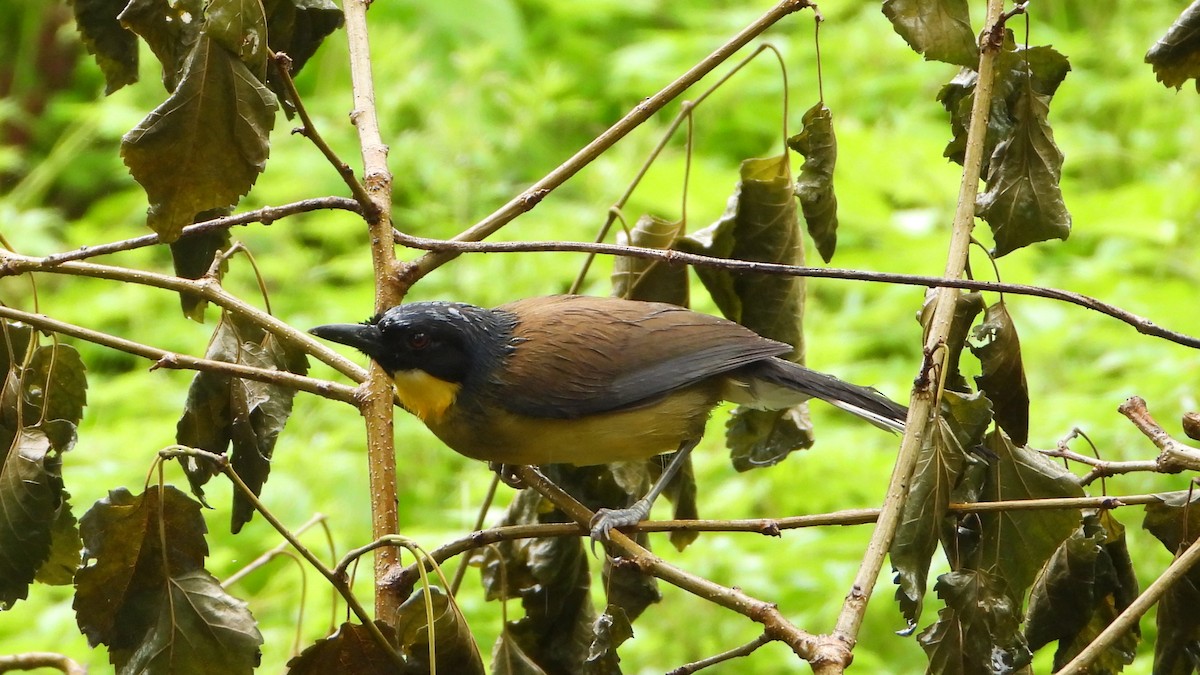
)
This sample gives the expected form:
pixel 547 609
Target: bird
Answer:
pixel 586 380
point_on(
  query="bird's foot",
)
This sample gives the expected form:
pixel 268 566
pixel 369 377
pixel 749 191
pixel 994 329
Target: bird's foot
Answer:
pixel 606 520
pixel 507 476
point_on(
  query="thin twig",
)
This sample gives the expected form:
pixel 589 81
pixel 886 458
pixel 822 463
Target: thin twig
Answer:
pixel 1174 456
pixel 269 554
pixel 338 582
pixel 171 360
pixel 1141 324
pixel 735 653
pixel 484 507
pixel 1104 468
pixel 283 66
pixel 684 114
pixel 35 660
pixel 640 113
pixel 205 288
pixel 402 579
pixel 265 215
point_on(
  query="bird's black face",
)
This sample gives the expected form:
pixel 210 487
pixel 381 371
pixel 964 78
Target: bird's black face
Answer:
pixel 443 339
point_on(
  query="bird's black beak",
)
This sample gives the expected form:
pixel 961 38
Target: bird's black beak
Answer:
pixel 364 337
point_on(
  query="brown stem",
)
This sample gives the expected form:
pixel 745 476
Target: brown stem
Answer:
pixel 377 403
pixel 171 360
pixel 1173 456
pixel 735 653
pixel 283 66
pixel 265 215
pixel 1141 324
pixel 776 627
pixel 36 660
pixel 923 401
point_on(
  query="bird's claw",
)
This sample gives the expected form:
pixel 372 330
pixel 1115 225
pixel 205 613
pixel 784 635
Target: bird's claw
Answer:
pixel 607 520
pixel 506 475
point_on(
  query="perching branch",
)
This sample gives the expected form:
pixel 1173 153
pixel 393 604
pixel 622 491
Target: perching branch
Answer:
pixel 775 625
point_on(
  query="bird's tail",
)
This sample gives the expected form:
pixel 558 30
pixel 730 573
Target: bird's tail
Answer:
pixel 775 383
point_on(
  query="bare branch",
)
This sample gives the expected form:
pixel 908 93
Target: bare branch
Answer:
pixel 1141 324
pixel 36 660
pixel 1174 456
pixel 265 215
pixel 735 653
pixel 206 288
pixel 171 360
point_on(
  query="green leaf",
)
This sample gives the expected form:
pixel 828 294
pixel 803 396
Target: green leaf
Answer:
pixel 814 188
pixel 200 629
pixel 978 631
pixel 204 147
pixel 350 649
pixel 114 47
pixel 120 590
pixel 1023 201
pixel 170 28
pixel 454 647
pixel 1177 647
pixel 1176 56
pixel 1039 68
pixel 1003 376
pixel 653 280
pixel 760 224
pixel 1086 584
pixel 939 30
pixel 31 500
pixel 54 385
pixel 1174 519
pixel 508 659
pixel 240 26
pixel 1015 545
pixel 940 463
pixel 250 415
pixel 65 548
pixel 966 307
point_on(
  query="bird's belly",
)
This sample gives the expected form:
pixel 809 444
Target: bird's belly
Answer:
pixel 622 435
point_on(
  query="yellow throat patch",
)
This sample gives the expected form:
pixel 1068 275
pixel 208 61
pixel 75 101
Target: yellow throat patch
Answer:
pixel 423 394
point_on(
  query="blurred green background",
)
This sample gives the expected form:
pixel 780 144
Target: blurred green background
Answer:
pixel 477 105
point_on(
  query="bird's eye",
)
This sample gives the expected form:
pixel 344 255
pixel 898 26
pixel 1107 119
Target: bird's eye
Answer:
pixel 419 340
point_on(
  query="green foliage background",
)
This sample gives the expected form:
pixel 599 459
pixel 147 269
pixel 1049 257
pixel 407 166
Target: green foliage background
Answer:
pixel 477 105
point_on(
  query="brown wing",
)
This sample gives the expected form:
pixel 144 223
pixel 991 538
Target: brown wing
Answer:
pixel 578 355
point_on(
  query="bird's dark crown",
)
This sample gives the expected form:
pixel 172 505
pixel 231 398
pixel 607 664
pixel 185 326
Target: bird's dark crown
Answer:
pixel 449 340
